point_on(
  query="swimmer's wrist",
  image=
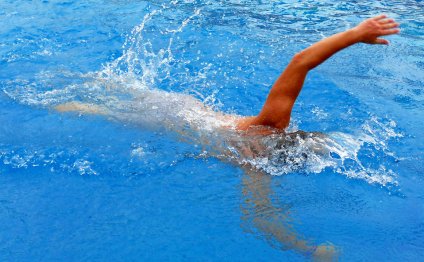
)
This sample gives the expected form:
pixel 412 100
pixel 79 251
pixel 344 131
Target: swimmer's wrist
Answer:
pixel 355 35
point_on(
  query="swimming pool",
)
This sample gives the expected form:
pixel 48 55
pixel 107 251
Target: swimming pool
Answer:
pixel 129 187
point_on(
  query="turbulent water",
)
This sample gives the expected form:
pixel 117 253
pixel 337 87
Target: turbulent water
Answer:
pixel 155 85
pixel 148 165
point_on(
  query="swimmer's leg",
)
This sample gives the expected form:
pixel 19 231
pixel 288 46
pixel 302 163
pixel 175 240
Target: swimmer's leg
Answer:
pixel 84 108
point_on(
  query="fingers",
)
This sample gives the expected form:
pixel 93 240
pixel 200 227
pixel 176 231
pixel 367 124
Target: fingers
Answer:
pixel 390 31
pixel 381 41
pixel 386 20
pixel 389 25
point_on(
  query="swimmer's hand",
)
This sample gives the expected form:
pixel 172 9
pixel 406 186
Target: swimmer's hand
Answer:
pixel 370 30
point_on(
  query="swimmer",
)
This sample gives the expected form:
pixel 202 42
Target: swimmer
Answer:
pixel 273 119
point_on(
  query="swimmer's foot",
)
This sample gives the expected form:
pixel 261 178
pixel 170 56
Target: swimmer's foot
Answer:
pixel 81 107
pixel 325 252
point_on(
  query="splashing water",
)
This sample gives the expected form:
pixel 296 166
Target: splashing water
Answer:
pixel 313 152
pixel 138 88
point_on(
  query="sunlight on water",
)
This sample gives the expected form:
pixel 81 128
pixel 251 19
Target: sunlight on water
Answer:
pixel 127 90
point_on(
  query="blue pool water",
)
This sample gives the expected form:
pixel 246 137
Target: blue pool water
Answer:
pixel 152 178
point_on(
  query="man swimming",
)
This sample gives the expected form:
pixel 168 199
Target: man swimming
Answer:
pixel 273 118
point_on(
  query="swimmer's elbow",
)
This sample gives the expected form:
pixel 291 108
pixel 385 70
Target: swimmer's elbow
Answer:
pixel 303 60
pixel 299 60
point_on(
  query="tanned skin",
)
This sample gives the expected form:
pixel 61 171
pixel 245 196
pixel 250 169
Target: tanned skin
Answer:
pixel 278 106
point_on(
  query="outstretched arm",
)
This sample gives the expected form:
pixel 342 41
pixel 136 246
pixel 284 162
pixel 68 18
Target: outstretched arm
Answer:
pixel 278 106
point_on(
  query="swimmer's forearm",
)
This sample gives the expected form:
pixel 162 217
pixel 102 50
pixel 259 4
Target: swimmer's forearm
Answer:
pixel 369 31
pixel 317 53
